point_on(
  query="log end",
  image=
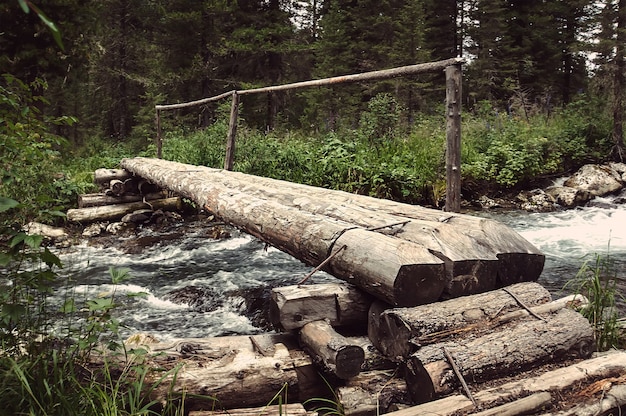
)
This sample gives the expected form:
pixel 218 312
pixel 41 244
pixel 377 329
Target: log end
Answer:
pixel 419 284
pixel 349 361
pixel 519 267
pixel 418 381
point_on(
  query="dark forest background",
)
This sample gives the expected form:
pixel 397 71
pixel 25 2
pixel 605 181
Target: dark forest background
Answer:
pixel 121 57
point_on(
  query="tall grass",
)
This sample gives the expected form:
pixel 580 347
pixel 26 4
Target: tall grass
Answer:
pixel 597 280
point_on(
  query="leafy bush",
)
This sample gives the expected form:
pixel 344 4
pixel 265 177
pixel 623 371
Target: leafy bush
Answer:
pixel 31 155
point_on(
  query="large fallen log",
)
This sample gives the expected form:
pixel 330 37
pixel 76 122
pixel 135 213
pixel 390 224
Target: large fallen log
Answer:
pixel 479 253
pixel 333 352
pixel 115 212
pixel 509 349
pixel 610 364
pixel 397 332
pixel 341 304
pixel 518 259
pixel 397 271
pixel 233 372
pixel 104 176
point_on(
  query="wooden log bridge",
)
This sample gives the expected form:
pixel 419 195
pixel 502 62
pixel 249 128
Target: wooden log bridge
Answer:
pixel 402 254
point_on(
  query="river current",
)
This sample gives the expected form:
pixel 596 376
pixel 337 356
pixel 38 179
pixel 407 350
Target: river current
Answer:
pixel 233 276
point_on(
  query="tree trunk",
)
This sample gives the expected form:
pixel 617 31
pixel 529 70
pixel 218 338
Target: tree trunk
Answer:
pixel 560 380
pixel 507 350
pixel 472 250
pixel 334 353
pixel 397 332
pixel 400 272
pixel 115 212
pixel 100 199
pixel 342 304
pixel 233 371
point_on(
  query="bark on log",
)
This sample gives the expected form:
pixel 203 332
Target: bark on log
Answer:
pixel 115 212
pixel 334 353
pixel 477 251
pixel 233 371
pixel 289 409
pixel 396 332
pixel 400 272
pixel 342 304
pixel 100 199
pixel 608 365
pixel 103 176
pixel 509 350
pixel 372 393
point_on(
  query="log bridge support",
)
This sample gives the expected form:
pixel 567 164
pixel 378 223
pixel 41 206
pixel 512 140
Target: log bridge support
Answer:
pixel 404 255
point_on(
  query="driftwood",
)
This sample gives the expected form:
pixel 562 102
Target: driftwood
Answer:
pixel 342 304
pixel 396 332
pixel 576 375
pixel 231 372
pixel 400 272
pixel 100 199
pixel 507 350
pixel 330 350
pixel 293 409
pixel 115 212
pixel 373 393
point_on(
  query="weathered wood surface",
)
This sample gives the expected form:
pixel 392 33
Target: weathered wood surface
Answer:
pixel 289 409
pixel 115 212
pixel 507 350
pixel 332 352
pixel 396 332
pixel 101 199
pixel 526 405
pixel 372 393
pixel 478 253
pixel 342 304
pixel 234 371
pixel 400 272
pixel 581 373
pixel 104 176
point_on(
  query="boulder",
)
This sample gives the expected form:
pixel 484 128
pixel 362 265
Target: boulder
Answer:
pixel 597 179
pixel 620 168
pixel 568 197
pixel 536 201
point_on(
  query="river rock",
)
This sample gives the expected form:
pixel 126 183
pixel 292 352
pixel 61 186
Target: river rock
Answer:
pixel 597 179
pixel 569 197
pixel 620 168
pixel 536 201
pixel 55 234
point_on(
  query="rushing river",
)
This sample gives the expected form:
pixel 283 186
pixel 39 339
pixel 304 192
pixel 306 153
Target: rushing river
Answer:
pixel 228 272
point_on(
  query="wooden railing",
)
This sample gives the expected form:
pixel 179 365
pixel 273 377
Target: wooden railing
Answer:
pixel 452 68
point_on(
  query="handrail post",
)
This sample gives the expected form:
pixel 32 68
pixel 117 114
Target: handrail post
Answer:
pixel 453 138
pixel 159 141
pixel 232 133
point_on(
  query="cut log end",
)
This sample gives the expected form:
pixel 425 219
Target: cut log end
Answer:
pixel 419 284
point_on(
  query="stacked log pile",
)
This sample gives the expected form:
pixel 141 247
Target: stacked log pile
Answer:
pixel 433 308
pixel 121 193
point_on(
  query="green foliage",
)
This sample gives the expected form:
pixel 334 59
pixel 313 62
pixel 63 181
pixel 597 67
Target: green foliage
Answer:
pixel 30 158
pixel 597 280
pixel 508 150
